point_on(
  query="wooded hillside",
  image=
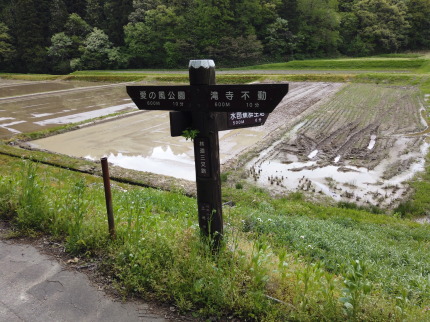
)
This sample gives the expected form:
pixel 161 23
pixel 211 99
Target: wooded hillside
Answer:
pixel 59 36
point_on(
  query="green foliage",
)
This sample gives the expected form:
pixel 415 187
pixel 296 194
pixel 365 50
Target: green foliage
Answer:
pixel 78 207
pixel 319 27
pixel 236 51
pixel 98 53
pixel 27 24
pixel 31 205
pixel 190 134
pixel 6 48
pixel 76 26
pixel 61 51
pixel 296 196
pixel 116 14
pixel 418 19
pixel 383 24
pixel 165 33
pixel 153 41
pixel 356 287
pixel 336 237
pixel 324 264
pixel 280 42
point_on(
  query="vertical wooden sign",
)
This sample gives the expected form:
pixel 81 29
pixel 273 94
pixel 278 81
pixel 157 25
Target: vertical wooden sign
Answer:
pixel 206 154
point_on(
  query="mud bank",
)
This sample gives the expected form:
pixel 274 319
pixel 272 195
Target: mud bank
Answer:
pixel 362 146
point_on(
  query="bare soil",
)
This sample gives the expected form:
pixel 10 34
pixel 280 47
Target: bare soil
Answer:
pixel 363 131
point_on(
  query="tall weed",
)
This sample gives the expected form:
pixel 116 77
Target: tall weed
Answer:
pixel 31 205
pixel 8 202
pixel 77 205
pixel 356 288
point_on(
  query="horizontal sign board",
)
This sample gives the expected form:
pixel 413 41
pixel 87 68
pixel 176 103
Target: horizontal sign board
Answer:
pixel 260 98
pixel 169 98
pixel 237 120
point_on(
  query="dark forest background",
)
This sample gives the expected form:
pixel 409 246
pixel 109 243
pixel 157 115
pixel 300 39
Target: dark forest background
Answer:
pixel 59 36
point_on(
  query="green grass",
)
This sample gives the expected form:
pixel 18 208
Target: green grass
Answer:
pixel 30 77
pixel 412 63
pixel 425 68
pixel 283 259
pixel 365 64
pixel 400 55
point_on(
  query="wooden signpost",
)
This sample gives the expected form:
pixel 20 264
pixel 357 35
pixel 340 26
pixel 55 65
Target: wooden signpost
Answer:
pixel 207 108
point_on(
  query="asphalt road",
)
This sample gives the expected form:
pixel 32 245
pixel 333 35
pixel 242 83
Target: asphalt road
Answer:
pixel 34 287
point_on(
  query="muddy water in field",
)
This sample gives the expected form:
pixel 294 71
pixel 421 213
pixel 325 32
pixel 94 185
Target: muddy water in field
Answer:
pixel 347 183
pixel 353 146
pixel 143 141
pixel 34 106
pixel 16 88
pixel 361 146
pixel 140 142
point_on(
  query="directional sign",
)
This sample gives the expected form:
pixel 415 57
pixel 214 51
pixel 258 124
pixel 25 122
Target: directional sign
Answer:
pixel 168 98
pixel 238 120
pixel 260 98
pixel 208 109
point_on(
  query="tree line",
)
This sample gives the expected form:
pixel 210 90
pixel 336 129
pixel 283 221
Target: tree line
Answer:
pixel 60 36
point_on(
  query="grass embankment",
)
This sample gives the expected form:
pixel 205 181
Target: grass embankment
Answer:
pixel 341 70
pixel 283 259
pixel 404 63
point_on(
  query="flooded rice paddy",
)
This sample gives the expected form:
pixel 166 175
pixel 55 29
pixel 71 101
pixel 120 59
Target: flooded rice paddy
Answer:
pixel 142 141
pixel 350 142
pixel 34 106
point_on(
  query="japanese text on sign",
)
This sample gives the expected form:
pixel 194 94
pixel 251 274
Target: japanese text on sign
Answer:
pixel 244 119
pixel 162 95
pixel 205 211
pixel 202 157
pixel 261 98
pixel 243 98
pixel 243 95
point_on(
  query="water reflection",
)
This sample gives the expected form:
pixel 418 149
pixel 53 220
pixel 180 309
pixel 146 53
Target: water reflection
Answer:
pixel 338 182
pixel 162 161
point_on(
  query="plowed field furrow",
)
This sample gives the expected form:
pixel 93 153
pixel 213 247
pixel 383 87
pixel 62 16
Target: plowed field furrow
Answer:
pixel 301 98
pixel 351 141
pixel 344 126
pixel 329 142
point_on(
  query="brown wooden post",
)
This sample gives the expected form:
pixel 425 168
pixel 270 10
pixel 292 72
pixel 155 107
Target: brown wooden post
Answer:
pixel 108 196
pixel 206 153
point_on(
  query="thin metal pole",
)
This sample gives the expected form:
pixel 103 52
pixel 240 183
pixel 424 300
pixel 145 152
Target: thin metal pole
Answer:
pixel 108 196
